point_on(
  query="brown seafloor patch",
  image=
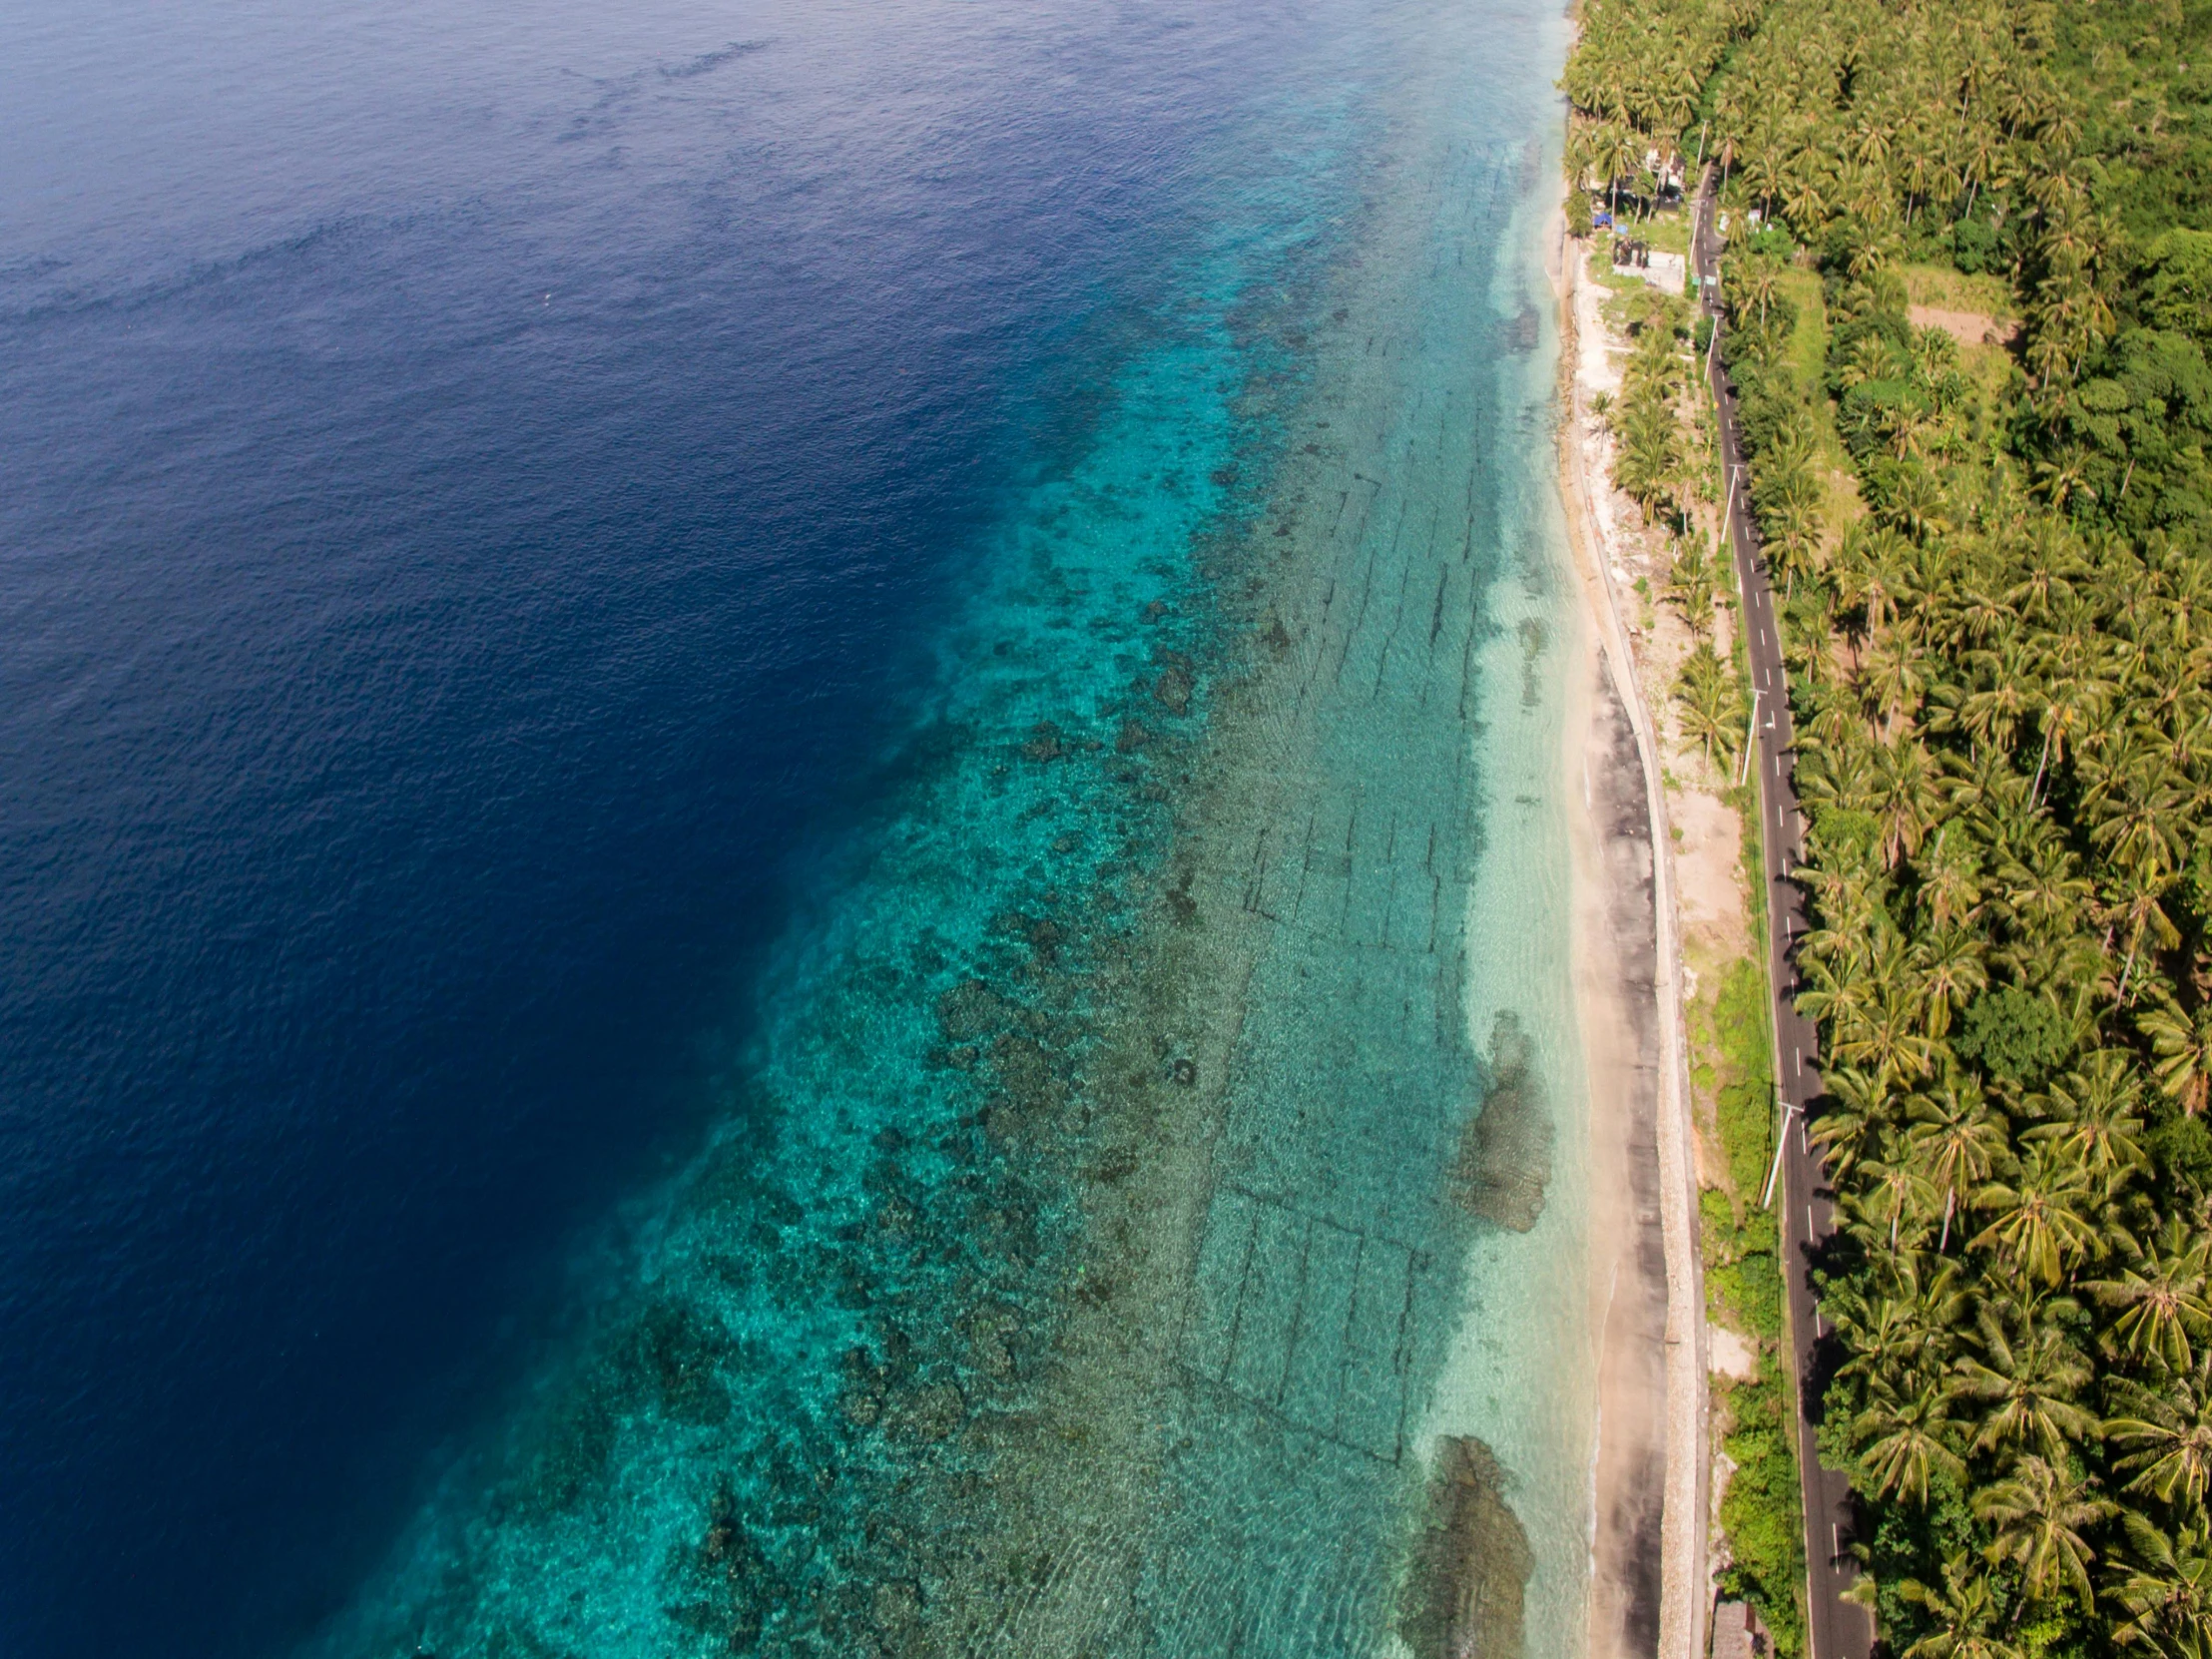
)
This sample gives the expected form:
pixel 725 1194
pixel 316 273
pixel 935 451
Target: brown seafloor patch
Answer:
pixel 1471 1571
pixel 1504 1164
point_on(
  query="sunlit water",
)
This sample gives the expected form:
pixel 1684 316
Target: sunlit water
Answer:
pixel 779 784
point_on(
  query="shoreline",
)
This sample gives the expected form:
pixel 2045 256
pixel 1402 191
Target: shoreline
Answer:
pixel 1650 1474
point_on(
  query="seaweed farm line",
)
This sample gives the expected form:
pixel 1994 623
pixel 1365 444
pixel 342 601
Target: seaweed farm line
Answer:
pixel 1041 528
pixel 1153 1225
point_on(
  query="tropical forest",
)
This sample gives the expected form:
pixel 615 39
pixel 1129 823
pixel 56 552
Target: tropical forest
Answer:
pixel 1967 305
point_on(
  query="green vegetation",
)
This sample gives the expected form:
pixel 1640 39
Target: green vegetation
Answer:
pixel 1759 1510
pixel 1996 567
pixel 1743 1278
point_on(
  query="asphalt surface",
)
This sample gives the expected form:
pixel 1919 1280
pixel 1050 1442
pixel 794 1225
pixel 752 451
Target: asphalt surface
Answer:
pixel 1838 1629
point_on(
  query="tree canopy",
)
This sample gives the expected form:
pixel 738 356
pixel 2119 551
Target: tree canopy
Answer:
pixel 1997 562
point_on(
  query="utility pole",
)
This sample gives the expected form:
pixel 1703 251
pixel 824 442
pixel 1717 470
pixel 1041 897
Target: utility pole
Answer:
pixel 1781 1145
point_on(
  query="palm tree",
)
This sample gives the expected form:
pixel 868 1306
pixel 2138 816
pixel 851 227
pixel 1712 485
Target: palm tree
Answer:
pixel 1902 1332
pixel 1712 707
pixel 1691 585
pixel 1650 459
pixel 1894 681
pixel 2029 1385
pixel 1950 884
pixel 1887 1038
pixel 2040 1226
pixel 1902 795
pixel 2163 1293
pixel 1794 530
pixel 1876 558
pixel 1621 152
pixel 1948 963
pixel 2074 696
pixel 1855 1110
pixel 1959 1141
pixel 2006 693
pixel 1907 1440
pixel 1964 1612
pixel 2165 1584
pixel 1755 282
pixel 1807 202
pixel 2137 809
pixel 1891 1191
pixel 2039 1515
pixel 2092 1117
pixel 2169 1435
pixel 2184 1048
pixel 2044 891
pixel 2137 909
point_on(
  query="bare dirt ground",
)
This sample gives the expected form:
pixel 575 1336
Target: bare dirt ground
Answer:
pixel 1966 327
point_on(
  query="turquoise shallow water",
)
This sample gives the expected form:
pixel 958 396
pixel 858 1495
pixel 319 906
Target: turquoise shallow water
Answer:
pixel 1097 1249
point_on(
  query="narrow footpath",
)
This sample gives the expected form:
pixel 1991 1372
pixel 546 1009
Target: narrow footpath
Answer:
pixel 1837 1629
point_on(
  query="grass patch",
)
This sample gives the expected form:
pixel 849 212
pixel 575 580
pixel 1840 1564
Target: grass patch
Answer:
pixel 1954 290
pixel 1668 232
pixel 1744 1104
pixel 1808 350
pixel 1744 1287
pixel 1805 357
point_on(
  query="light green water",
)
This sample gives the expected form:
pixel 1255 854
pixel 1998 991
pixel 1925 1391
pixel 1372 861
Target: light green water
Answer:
pixel 1103 1253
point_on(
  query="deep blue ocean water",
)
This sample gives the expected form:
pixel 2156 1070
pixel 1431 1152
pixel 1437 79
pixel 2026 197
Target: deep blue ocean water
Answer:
pixel 573 583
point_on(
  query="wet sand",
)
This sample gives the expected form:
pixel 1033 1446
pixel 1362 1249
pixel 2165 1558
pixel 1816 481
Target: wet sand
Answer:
pixel 1615 960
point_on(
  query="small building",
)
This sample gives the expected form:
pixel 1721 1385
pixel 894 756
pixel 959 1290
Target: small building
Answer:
pixel 1668 273
pixel 1738 1634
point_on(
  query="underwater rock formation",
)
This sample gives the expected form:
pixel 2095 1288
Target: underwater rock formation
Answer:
pixel 1462 1599
pixel 1505 1159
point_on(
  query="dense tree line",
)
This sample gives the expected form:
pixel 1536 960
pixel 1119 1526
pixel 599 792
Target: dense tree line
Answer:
pixel 1999 586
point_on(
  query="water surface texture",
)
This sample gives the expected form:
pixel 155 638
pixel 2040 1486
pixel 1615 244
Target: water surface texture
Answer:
pixel 782 863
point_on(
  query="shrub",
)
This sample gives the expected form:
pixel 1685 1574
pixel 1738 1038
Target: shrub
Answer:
pixel 2014 1035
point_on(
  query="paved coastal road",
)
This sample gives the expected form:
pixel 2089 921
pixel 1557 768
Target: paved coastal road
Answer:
pixel 1840 1630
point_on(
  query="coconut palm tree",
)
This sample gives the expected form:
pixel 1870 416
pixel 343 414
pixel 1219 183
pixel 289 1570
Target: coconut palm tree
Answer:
pixel 1711 707
pixel 2040 1515
pixel 1887 1038
pixel 1965 1617
pixel 1948 962
pixel 1691 583
pixel 1959 1141
pixel 1755 285
pixel 1907 1443
pixel 2028 1380
pixel 1904 1330
pixel 2041 1224
pixel 2091 1118
pixel 2164 1582
pixel 2166 1433
pixel 1950 885
pixel 1903 788
pixel 1892 1194
pixel 2183 1043
pixel 2164 1299
pixel 1855 1110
